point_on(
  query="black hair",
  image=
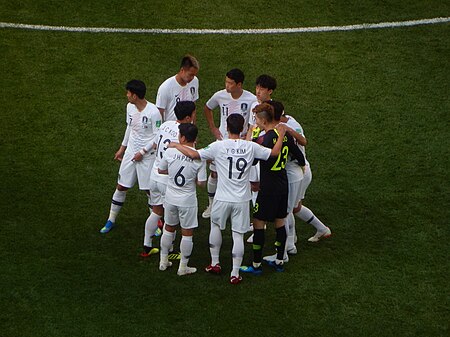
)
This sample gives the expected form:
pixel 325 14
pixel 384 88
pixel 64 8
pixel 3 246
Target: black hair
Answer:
pixel 236 75
pixel 183 109
pixel 189 61
pixel 137 87
pixel 189 131
pixel 278 109
pixel 235 124
pixel 267 82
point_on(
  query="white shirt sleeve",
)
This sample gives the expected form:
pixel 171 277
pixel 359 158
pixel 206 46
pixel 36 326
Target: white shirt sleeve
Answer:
pixel 162 97
pixel 213 102
pixel 207 153
pixel 261 152
pixel 201 174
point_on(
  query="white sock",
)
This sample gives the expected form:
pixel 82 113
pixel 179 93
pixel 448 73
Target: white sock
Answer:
pixel 308 216
pixel 215 242
pixel 186 250
pixel 118 199
pixel 166 242
pixel 211 188
pixel 237 253
pixel 151 225
pixel 290 231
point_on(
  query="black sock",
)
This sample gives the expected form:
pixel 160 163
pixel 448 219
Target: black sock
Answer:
pixel 258 244
pixel 281 242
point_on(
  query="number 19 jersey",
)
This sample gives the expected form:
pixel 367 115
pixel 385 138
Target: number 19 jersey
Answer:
pixel 233 159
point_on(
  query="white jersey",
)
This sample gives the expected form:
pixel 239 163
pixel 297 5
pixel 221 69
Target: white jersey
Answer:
pixel 228 105
pixel 233 159
pixel 168 132
pixel 170 92
pixel 143 125
pixel 183 173
pixel 293 170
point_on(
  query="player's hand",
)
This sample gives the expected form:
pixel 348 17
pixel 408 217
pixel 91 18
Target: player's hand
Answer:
pixel 119 155
pixel 281 128
pixel 217 134
pixel 137 157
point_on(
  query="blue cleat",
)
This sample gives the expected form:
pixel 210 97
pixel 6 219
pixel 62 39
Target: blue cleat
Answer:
pixel 251 270
pixel 108 226
pixel 277 267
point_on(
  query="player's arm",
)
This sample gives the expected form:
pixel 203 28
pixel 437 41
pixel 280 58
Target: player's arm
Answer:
pixel 162 111
pixel 297 136
pixel 187 151
pixel 119 154
pixel 279 144
pixel 210 120
pixel 295 152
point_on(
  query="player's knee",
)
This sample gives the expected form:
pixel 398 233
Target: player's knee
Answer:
pixel 213 175
pixel 122 188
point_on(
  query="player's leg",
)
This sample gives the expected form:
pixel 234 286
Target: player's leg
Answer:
pixel 219 215
pixel 151 224
pixel 117 202
pixel 240 218
pixel 188 221
pixel 309 217
pixel 211 188
pixel 166 242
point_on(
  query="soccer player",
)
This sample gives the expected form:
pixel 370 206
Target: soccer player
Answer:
pixel 231 100
pixel 265 86
pixel 180 207
pixel 301 211
pixel 295 177
pixel 271 203
pixel 233 158
pixel 181 87
pixel 136 153
pixel 168 132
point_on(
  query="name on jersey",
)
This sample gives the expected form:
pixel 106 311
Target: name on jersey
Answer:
pixel 284 140
pixel 236 151
pixel 172 133
pixel 182 157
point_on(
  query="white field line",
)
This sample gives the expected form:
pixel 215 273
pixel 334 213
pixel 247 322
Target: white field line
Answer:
pixel 229 31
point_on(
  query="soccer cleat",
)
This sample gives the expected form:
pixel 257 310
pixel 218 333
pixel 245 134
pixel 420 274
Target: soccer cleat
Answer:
pixel 186 271
pixel 213 269
pixel 108 226
pixel 149 251
pixel 250 239
pixel 235 279
pixel 278 267
pixel 320 235
pixel 164 265
pixel 251 270
pixel 207 212
pixel 274 257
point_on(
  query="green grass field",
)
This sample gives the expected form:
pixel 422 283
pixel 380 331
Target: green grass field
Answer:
pixel 376 111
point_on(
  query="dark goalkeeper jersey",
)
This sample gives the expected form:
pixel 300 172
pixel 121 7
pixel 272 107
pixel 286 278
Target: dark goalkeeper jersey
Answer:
pixel 273 177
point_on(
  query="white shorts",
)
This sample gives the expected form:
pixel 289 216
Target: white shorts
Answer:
pixel 130 171
pixel 239 212
pixel 294 195
pixel 307 177
pixel 185 216
pixel 157 192
pixel 254 173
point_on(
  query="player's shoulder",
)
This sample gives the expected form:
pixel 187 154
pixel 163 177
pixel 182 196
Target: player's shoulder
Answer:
pixel 194 82
pixel 248 95
pixel 168 82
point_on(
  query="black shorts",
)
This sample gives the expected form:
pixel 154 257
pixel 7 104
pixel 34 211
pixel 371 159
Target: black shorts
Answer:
pixel 270 207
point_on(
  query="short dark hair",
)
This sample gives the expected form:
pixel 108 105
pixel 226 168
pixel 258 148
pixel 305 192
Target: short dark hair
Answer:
pixel 278 109
pixel 235 124
pixel 267 82
pixel 189 61
pixel 236 75
pixel 184 109
pixel 137 87
pixel 264 110
pixel 189 131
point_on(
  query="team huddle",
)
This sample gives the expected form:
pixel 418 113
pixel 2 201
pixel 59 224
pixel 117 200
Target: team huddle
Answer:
pixel 258 160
